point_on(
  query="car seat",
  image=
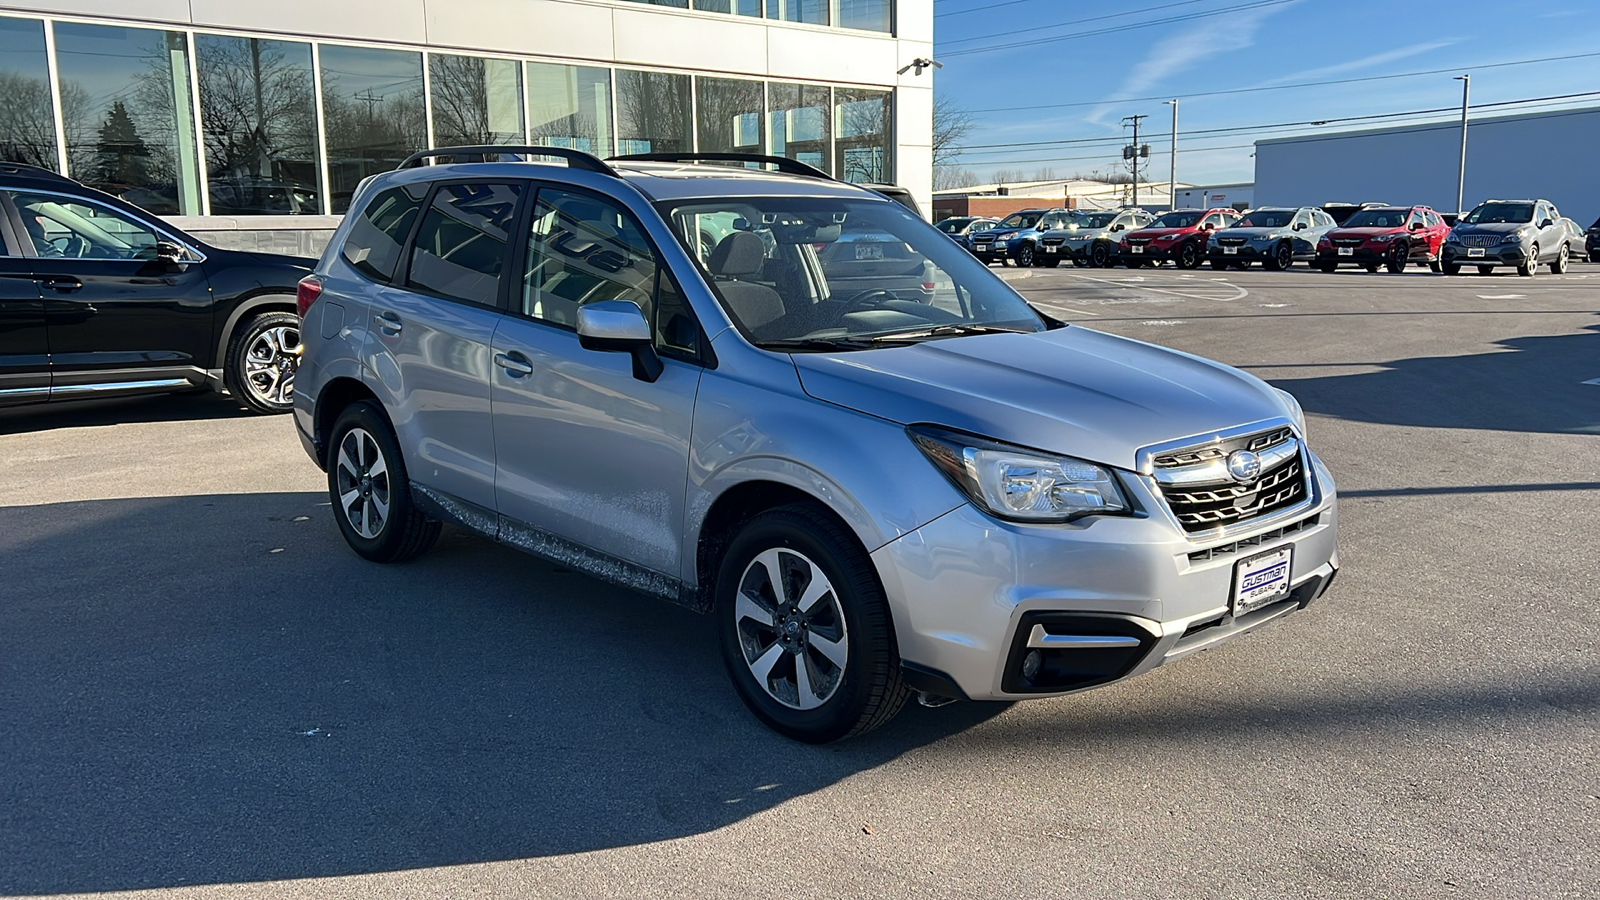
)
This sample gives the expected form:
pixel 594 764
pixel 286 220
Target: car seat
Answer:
pixel 739 256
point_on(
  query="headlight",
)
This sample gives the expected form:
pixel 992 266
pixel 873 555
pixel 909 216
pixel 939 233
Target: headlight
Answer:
pixel 1017 484
pixel 1512 238
pixel 1384 238
pixel 1295 412
pixel 1007 236
pixel 1452 238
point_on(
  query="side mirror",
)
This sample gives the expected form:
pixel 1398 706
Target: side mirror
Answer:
pixel 618 326
pixel 1116 228
pixel 1415 226
pixel 1209 226
pixel 1546 223
pixel 171 255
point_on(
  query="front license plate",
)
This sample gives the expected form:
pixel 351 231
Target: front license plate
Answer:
pixel 1262 579
pixel 981 248
pixel 1475 251
pixel 1347 251
pixel 1135 248
pixel 1049 249
pixel 1230 251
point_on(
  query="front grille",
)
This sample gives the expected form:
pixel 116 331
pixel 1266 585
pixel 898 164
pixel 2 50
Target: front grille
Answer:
pixel 1254 541
pixel 1138 242
pixel 1231 241
pixel 1347 242
pixel 1202 495
pixel 1481 240
pixel 1054 242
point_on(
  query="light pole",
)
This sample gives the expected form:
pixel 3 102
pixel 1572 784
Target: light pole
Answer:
pixel 1461 177
pixel 1172 170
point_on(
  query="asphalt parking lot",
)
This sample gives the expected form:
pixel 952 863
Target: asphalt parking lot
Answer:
pixel 203 693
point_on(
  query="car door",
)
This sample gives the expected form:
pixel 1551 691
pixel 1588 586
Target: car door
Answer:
pixel 24 350
pixel 1301 233
pixel 431 333
pixel 116 314
pixel 1551 235
pixel 592 462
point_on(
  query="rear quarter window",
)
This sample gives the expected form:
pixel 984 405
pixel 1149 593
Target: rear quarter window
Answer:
pixel 378 235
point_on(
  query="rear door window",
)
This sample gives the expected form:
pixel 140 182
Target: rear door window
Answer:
pixel 460 250
pixel 375 240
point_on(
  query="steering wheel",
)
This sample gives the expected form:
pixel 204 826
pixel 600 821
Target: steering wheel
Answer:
pixel 76 246
pixel 868 299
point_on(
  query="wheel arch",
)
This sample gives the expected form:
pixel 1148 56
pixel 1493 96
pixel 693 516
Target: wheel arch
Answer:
pixel 244 311
pixel 334 398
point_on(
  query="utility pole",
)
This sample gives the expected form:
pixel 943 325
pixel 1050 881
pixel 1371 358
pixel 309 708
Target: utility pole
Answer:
pixel 1134 155
pixel 1461 178
pixel 1172 170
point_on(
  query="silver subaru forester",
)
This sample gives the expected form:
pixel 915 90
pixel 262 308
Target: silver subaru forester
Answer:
pixel 791 403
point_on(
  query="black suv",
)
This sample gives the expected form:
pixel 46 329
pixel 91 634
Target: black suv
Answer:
pixel 99 298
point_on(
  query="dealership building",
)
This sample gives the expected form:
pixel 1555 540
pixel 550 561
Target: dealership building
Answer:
pixel 225 114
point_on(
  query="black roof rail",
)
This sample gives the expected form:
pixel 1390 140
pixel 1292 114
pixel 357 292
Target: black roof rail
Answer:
pixel 576 159
pixel 781 163
pixel 27 170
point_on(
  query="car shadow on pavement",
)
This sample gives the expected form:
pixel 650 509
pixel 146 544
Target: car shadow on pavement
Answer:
pixel 213 689
pixel 193 406
pixel 1535 385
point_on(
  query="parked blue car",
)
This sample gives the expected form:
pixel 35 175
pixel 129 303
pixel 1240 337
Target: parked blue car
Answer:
pixel 1016 238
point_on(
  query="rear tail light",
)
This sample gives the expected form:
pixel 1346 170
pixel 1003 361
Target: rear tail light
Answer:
pixel 306 293
pixel 927 285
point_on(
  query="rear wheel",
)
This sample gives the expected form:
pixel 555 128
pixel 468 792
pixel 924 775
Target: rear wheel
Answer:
pixel 805 627
pixel 1559 267
pixel 370 491
pixel 262 359
pixel 1189 256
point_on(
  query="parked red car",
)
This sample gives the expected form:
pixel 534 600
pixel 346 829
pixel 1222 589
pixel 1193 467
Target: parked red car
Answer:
pixel 1180 235
pixel 1391 236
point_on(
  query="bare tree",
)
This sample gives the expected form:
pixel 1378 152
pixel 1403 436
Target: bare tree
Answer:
pixel 951 125
pixel 948 178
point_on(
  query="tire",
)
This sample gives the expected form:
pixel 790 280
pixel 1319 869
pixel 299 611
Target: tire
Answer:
pixel 805 692
pixel 1219 264
pixel 1025 256
pixel 1328 267
pixel 1189 256
pixel 1079 261
pixel 1486 270
pixel 263 356
pixel 1399 255
pixel 1594 257
pixel 1372 268
pixel 1282 258
pixel 1451 268
pixel 1559 267
pixel 1531 267
pixel 1051 262
pixel 1100 255
pixel 367 476
pixel 1435 266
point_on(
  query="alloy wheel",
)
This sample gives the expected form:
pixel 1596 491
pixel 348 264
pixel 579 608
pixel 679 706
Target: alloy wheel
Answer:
pixel 270 364
pixel 363 483
pixel 791 629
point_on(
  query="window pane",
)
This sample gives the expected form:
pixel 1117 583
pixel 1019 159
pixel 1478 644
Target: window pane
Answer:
pixel 128 114
pixel 812 11
pixel 570 106
pixel 873 15
pixel 373 246
pixel 373 110
pixel 730 115
pixel 66 229
pixel 681 4
pixel 863 143
pixel 27 119
pixel 737 7
pixel 652 112
pixel 799 123
pixel 259 114
pixel 475 101
pixel 461 244
pixel 582 249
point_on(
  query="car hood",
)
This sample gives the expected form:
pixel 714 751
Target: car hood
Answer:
pixel 1363 233
pixel 1491 228
pixel 1251 233
pixel 1076 232
pixel 1159 232
pixel 1070 390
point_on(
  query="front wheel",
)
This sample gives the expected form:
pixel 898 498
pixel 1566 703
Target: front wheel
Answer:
pixel 1282 258
pixel 1100 255
pixel 1025 256
pixel 1399 254
pixel 805 627
pixel 1189 256
pixel 1559 267
pixel 369 490
pixel 262 359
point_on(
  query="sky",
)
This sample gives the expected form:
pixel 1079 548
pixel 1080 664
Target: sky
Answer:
pixel 1066 83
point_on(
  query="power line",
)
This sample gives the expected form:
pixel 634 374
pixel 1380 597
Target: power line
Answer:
pixel 1116 29
pixel 1285 87
pixel 1131 12
pixel 984 8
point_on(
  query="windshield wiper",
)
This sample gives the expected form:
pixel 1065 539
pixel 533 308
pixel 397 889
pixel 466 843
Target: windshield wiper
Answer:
pixel 818 344
pixel 942 331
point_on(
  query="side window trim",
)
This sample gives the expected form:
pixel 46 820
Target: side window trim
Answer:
pixel 11 229
pixel 161 234
pixel 402 279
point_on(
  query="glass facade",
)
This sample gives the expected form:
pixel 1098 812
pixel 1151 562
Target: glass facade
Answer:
pixel 187 122
pixel 128 114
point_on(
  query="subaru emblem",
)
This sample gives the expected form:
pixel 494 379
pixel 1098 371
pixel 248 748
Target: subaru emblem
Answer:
pixel 1244 465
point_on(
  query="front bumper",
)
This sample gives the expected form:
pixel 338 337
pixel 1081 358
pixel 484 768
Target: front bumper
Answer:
pixel 967 591
pixel 1359 256
pixel 1240 252
pixel 1067 250
pixel 1152 252
pixel 1498 255
pixel 993 250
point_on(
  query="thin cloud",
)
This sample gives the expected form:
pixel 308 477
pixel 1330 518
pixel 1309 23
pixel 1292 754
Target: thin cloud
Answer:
pixel 1366 62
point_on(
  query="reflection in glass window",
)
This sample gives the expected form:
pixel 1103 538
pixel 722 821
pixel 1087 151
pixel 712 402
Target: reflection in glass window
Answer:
pixel 872 15
pixel 461 243
pixel 653 113
pixel 128 114
pixel 373 111
pixel 799 122
pixel 27 119
pixel 582 249
pixel 729 114
pixel 737 7
pixel 475 101
pixel 570 106
pixel 258 112
pixel 862 149
pixel 813 11
pixel 680 4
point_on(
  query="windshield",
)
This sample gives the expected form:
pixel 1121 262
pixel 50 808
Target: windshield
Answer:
pixel 952 226
pixel 1378 218
pixel 1177 220
pixel 803 273
pixel 1020 220
pixel 1092 220
pixel 1500 213
pixel 1267 218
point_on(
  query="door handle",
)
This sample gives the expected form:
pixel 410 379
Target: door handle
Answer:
pixel 389 323
pixel 515 363
pixel 62 284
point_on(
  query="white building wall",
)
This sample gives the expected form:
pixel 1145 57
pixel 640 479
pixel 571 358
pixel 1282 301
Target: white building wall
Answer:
pixel 1207 196
pixel 1512 157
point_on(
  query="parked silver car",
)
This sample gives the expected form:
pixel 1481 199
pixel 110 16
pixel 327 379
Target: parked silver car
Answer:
pixel 1273 236
pixel 1090 238
pixel 874 495
pixel 1521 233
